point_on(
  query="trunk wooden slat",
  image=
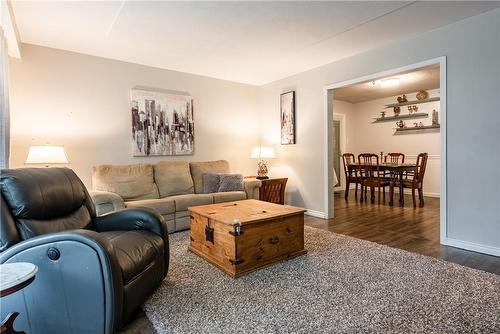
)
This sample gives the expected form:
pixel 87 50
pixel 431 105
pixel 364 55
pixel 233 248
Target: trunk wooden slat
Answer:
pixel 269 233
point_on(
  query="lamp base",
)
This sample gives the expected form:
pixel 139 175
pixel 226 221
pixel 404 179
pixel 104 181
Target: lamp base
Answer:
pixel 262 177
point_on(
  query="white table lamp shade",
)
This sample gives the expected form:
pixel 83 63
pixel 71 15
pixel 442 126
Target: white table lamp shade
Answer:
pixel 261 152
pixel 47 155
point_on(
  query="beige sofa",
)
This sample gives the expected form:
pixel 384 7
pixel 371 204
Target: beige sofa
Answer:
pixel 169 187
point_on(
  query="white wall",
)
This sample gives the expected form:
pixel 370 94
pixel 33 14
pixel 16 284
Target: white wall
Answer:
pixel 365 136
pixel 82 102
pixel 473 122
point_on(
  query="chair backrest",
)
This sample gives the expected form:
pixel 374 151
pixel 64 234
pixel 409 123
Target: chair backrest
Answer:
pixel 44 200
pixel 421 165
pixel 347 159
pixel 369 165
pixel 395 158
pixel 273 191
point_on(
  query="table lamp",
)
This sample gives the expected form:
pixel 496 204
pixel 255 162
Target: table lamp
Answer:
pixel 262 153
pixel 46 155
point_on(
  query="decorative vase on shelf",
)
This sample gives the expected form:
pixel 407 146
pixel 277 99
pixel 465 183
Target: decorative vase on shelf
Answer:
pixel 435 117
pixel 397 110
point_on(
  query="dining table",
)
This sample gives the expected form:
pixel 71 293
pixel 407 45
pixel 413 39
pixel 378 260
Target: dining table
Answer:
pixel 398 170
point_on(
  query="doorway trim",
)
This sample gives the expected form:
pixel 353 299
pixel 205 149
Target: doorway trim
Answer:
pixel 343 142
pixel 328 116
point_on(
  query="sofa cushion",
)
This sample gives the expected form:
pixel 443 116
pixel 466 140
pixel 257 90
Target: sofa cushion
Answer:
pixel 173 178
pixel 229 196
pixel 131 182
pixel 163 206
pixel 135 250
pixel 211 183
pixel 230 182
pixel 200 168
pixel 182 202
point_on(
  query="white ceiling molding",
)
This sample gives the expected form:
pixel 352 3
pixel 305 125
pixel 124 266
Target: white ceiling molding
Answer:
pixel 8 25
pixel 249 42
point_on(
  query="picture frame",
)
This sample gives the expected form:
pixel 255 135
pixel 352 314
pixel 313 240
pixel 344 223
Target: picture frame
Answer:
pixel 162 123
pixel 287 118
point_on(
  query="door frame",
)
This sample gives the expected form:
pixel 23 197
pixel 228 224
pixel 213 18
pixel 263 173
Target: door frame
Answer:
pixel 343 142
pixel 328 138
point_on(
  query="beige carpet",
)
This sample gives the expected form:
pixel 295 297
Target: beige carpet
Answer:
pixel 343 285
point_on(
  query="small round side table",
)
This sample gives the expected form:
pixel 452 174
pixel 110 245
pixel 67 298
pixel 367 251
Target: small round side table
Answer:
pixel 14 277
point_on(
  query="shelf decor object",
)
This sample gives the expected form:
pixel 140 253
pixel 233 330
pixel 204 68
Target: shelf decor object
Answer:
pixel 422 95
pixel 435 119
pixel 402 99
pixel 407 103
pixel 404 116
pixel 417 128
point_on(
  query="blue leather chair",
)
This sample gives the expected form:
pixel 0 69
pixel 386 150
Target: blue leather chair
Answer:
pixel 94 272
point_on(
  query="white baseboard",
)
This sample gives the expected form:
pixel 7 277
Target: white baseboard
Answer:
pixel 490 250
pixel 426 194
pixel 314 213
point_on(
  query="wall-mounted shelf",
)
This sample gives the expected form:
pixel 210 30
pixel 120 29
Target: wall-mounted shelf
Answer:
pixel 415 128
pixel 403 116
pixel 409 103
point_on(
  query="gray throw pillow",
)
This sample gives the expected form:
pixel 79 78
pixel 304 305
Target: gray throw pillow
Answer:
pixel 231 182
pixel 210 182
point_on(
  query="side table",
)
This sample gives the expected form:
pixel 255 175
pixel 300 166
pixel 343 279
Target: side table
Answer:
pixel 14 277
pixel 273 190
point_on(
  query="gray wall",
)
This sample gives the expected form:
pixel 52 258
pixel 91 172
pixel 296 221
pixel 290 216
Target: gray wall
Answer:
pixel 83 103
pixel 472 49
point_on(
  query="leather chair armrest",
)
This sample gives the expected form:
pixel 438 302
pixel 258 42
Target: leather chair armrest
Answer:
pixel 73 246
pixel 136 219
pixel 106 201
pixel 133 219
pixel 252 187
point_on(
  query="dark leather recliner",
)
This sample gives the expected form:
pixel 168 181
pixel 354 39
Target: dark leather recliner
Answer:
pixel 93 272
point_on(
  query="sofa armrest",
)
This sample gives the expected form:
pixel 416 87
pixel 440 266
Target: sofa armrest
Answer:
pixel 252 188
pixel 106 202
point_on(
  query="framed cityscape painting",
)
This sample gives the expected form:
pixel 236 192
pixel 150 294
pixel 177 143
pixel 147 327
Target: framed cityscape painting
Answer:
pixel 162 123
pixel 287 113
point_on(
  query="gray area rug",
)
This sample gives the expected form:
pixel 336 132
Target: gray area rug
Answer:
pixel 343 285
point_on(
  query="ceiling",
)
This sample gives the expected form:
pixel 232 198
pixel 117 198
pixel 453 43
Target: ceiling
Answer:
pixel 408 82
pixel 248 42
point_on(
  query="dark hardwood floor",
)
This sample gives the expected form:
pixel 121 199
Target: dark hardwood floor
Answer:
pixel 415 230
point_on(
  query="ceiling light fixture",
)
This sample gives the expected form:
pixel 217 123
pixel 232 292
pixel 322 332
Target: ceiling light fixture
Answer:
pixel 390 82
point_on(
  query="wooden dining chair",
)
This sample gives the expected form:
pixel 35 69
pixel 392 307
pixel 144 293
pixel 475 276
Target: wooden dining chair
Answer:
pixel 395 157
pixel 371 176
pixel 415 181
pixel 350 176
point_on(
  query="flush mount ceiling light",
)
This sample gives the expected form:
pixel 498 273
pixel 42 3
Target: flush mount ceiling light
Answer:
pixel 390 82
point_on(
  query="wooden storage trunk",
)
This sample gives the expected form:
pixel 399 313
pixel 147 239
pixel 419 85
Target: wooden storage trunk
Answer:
pixel 268 233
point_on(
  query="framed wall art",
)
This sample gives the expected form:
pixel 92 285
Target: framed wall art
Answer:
pixel 287 114
pixel 162 123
